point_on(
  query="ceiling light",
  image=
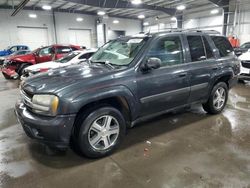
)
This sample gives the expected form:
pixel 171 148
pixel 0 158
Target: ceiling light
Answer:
pixel 181 7
pixel 101 13
pixel 79 19
pixel 141 16
pixel 145 23
pixel 116 21
pixel 215 11
pixel 32 15
pixel 173 19
pixel 46 7
pixel 136 2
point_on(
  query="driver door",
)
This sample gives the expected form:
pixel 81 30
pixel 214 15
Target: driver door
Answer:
pixel 44 55
pixel 168 86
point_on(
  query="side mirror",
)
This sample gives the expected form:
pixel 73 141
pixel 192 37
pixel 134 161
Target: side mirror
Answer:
pixel 152 63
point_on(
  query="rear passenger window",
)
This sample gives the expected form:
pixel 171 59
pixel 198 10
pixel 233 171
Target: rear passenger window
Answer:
pixel 223 45
pixel 63 50
pixel 168 50
pixel 196 48
pixel 209 52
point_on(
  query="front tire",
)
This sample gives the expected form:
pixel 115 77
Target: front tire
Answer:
pixel 217 99
pixel 101 132
pixel 21 69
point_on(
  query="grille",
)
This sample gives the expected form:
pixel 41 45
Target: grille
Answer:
pixel 245 64
pixel 26 98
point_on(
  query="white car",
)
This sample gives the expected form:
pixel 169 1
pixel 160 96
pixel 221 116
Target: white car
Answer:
pixel 245 66
pixel 71 59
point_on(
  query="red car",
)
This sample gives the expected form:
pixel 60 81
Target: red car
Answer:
pixel 13 67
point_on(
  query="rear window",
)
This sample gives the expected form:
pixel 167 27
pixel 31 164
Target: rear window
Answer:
pixel 223 45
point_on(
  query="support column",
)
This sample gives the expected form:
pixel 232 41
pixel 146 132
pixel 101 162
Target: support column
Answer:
pixel 225 20
pixel 54 24
pixel 179 21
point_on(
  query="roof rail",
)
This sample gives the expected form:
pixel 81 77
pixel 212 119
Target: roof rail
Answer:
pixel 184 30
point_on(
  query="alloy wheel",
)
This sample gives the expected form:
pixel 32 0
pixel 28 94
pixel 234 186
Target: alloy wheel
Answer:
pixel 103 132
pixel 219 98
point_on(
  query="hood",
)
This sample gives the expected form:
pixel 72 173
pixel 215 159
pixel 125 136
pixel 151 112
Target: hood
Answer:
pixel 66 79
pixel 47 65
pixel 23 58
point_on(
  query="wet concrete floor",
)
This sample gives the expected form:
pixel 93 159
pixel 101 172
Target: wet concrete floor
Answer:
pixel 189 149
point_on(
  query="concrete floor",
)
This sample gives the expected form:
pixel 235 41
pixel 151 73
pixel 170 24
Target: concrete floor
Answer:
pixel 190 149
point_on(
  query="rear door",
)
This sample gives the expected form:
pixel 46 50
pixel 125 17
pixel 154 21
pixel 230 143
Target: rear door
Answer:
pixel 168 86
pixel 202 66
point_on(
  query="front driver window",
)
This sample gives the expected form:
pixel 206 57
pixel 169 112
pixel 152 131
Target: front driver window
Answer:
pixel 45 51
pixel 168 50
pixel 13 49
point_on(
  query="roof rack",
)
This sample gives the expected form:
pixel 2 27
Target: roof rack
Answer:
pixel 183 30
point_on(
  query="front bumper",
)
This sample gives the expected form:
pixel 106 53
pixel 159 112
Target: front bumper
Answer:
pixel 244 73
pixel 10 72
pixel 53 131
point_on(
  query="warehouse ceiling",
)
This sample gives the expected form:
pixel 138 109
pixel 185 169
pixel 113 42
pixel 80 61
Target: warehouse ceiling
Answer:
pixel 118 8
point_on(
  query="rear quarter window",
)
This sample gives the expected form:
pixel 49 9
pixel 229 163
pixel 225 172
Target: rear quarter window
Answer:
pixel 223 45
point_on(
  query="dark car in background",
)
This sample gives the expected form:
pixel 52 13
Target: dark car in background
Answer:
pixel 10 50
pixel 242 49
pixel 126 81
pixel 13 67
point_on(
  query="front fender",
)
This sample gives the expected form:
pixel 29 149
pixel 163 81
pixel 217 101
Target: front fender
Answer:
pixel 73 106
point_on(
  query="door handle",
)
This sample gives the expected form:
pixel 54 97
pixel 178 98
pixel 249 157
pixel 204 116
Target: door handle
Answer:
pixel 182 75
pixel 215 68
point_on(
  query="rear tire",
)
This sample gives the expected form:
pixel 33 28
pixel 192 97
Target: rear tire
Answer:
pixel 217 99
pixel 100 132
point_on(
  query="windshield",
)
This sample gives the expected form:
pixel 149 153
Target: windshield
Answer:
pixel 119 52
pixel 245 45
pixel 67 58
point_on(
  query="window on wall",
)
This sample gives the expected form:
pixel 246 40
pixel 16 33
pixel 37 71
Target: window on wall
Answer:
pixel 168 50
pixel 223 46
pixel 196 48
pixel 209 51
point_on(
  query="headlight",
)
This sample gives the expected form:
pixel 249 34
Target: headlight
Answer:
pixel 45 104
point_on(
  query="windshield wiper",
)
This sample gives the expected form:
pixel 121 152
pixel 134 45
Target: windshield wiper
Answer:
pixel 104 63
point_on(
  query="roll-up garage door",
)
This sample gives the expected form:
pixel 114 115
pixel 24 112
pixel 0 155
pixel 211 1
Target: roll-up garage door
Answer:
pixel 81 37
pixel 34 37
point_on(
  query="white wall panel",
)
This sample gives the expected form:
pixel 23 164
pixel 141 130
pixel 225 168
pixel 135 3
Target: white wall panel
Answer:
pixel 130 27
pixel 65 22
pixel 33 37
pixel 80 37
pixel 9 26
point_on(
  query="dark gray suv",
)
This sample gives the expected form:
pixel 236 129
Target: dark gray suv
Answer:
pixel 126 81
